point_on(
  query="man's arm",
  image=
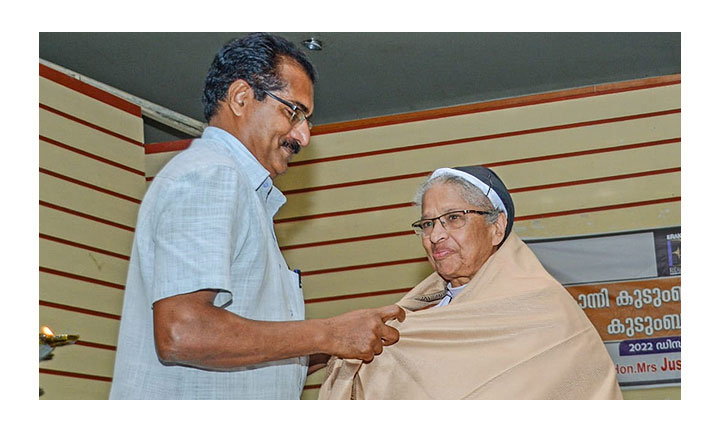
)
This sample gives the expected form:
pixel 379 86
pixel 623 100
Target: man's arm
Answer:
pixel 190 330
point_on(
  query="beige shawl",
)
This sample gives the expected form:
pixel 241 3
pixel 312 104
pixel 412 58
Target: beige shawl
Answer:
pixel 512 333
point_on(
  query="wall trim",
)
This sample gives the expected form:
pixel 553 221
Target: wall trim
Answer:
pixel 511 102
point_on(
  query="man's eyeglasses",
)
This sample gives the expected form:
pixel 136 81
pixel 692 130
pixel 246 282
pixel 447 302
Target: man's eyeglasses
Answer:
pixel 298 115
pixel 450 221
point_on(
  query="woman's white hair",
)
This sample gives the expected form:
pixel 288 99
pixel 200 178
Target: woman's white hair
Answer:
pixel 469 192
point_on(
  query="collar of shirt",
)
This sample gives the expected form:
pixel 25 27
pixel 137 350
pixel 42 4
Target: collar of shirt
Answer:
pixel 257 174
pixel 452 292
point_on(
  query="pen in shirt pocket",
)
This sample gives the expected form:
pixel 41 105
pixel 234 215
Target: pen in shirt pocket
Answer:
pixel 299 273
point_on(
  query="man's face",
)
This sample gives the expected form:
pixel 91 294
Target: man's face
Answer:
pixel 270 137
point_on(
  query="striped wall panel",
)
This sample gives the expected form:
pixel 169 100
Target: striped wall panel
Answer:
pixel 99 205
pixel 530 204
pixel 90 105
pixel 515 121
pixel 598 159
pixel 91 181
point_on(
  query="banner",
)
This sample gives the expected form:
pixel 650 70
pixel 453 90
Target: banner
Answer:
pixel 629 286
pixel 640 324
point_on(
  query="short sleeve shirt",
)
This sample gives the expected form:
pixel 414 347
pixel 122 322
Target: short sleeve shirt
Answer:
pixel 206 223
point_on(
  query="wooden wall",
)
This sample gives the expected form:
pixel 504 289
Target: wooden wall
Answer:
pixel 91 181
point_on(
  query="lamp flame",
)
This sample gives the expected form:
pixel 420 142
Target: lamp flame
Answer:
pixel 46 331
pixel 48 337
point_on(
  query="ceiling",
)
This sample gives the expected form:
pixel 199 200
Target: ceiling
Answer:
pixel 364 75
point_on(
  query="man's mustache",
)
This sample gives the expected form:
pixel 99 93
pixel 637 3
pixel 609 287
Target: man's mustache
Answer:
pixel 292 144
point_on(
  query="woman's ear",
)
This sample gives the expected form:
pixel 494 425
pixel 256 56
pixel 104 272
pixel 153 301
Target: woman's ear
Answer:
pixel 499 229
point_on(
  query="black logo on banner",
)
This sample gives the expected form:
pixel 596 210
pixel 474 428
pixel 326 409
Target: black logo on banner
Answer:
pixel 667 251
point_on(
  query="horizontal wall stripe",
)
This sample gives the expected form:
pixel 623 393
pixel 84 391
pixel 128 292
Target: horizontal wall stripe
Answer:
pixel 82 246
pixel 79 310
pixel 598 209
pixel 81 357
pixel 586 152
pixel 337 307
pixel 519 218
pixel 489 137
pixel 342 213
pixel 90 110
pixel 660 215
pixel 372 279
pixel 512 191
pixel 86 200
pixel 552 170
pixel 75 375
pixel 90 140
pixel 88 90
pixel 91 125
pixel 367 294
pixel 81 278
pixel 347 240
pixel 90 155
pixel 83 294
pixel 588 196
pixel 75 229
pixel 86 216
pixel 365 266
pixel 491 151
pixel 96 345
pixel 595 180
pixel 89 186
pixel 88 170
pixel 371 251
pixel 482 124
pixel 168 146
pixel 58 387
pixel 79 261
pixel 357 183
pixel 516 102
pixel 489 165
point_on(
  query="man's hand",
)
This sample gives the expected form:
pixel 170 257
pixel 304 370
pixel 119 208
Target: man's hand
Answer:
pixel 362 334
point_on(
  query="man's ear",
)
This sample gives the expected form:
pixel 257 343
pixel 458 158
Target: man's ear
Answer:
pixel 237 96
pixel 499 229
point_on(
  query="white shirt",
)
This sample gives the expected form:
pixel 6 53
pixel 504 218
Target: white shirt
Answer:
pixel 450 294
pixel 206 222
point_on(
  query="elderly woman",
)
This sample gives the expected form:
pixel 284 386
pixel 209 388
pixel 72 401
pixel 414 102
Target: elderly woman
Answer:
pixel 490 322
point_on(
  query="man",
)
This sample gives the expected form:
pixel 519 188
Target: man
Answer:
pixel 211 309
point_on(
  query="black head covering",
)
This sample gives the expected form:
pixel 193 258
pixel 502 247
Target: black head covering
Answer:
pixel 487 176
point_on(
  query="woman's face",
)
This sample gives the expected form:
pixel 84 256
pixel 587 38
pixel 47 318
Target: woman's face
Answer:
pixel 458 254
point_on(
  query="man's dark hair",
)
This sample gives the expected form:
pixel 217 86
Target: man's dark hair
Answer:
pixel 255 59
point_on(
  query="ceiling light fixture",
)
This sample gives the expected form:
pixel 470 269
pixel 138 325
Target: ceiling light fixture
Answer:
pixel 313 44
